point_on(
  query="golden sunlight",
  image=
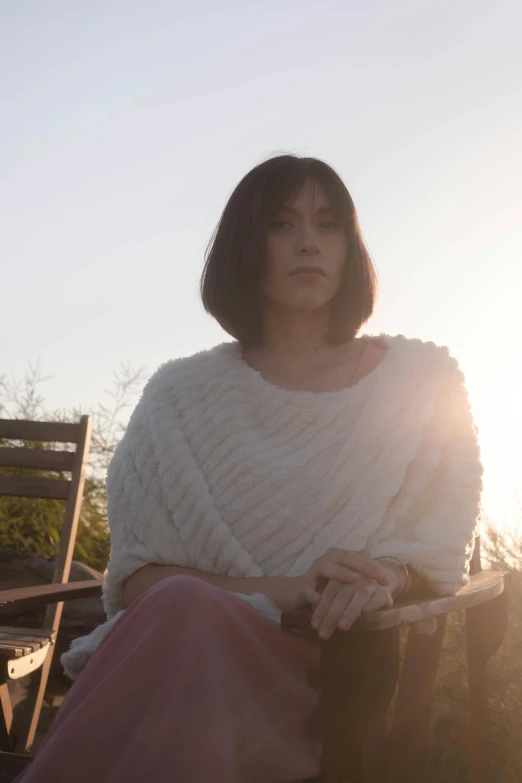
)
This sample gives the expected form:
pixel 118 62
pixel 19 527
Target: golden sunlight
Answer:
pixel 498 413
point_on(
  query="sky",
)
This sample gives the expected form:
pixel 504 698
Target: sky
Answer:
pixel 126 126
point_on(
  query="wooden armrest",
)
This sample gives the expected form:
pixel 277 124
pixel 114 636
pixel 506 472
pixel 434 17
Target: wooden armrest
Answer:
pixel 22 598
pixel 483 587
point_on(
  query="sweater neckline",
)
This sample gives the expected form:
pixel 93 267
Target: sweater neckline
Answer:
pixel 301 396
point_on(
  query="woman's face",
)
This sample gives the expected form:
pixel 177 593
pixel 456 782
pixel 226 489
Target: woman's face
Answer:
pixel 306 251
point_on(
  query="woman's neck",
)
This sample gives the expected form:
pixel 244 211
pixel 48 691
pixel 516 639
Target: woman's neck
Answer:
pixel 293 334
pixel 295 350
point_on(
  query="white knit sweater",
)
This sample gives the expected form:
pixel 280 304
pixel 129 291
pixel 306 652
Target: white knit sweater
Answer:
pixel 223 471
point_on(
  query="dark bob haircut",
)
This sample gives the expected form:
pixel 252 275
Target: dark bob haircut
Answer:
pixel 235 256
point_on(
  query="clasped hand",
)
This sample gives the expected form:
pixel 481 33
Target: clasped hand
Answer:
pixel 342 584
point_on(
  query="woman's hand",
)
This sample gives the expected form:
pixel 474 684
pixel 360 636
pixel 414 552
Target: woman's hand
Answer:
pixel 342 565
pixel 341 604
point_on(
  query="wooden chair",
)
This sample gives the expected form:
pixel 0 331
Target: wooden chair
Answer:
pixel 30 650
pixel 360 669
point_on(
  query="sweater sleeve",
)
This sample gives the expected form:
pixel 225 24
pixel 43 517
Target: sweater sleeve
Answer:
pixel 141 527
pixel 158 504
pixel 432 522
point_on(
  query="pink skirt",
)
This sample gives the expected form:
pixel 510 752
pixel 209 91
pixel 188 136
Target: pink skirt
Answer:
pixel 191 684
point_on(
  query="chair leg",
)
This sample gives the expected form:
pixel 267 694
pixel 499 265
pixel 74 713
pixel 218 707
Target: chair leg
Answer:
pixel 25 721
pixel 410 730
pixel 6 719
pixel 485 629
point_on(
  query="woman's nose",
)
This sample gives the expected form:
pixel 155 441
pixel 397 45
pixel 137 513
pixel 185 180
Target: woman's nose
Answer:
pixel 308 242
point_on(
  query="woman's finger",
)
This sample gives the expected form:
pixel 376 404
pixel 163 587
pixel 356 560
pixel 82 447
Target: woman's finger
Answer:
pixel 311 595
pixel 348 598
pixel 382 599
pixel 331 570
pixel 327 597
pixel 322 620
pixel 359 561
pixel 364 565
pixel 362 595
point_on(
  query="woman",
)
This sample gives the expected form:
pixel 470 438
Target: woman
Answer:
pixel 299 465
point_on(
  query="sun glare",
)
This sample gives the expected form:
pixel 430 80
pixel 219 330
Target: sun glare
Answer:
pixel 498 413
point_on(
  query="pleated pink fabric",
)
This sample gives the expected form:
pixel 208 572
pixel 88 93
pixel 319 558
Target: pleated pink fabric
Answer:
pixel 191 685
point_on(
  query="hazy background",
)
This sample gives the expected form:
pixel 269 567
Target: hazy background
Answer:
pixel 125 127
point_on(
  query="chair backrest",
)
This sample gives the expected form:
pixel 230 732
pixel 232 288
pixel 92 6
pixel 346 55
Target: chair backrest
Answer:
pixel 49 460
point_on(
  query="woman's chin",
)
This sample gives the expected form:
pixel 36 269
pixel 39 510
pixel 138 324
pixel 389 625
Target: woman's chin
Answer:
pixel 308 301
pixel 302 301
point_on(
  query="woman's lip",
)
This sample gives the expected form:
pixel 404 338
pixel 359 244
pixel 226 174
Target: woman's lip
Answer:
pixel 308 270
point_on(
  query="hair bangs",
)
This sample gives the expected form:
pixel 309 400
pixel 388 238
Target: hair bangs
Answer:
pixel 284 183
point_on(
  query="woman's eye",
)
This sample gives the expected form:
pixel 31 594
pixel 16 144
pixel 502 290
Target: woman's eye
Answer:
pixel 279 223
pixel 329 224
pixel 326 224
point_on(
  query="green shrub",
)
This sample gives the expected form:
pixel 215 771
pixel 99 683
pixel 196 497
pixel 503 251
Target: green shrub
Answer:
pixel 34 525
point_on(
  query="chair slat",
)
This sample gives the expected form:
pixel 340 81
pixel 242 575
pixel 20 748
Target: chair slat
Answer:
pixel 20 429
pixel 18 649
pixel 35 487
pixel 18 646
pixel 8 638
pixel 36 459
pixel 15 650
pixel 17 642
pixel 7 631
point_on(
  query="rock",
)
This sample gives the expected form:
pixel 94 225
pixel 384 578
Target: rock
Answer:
pixel 16 568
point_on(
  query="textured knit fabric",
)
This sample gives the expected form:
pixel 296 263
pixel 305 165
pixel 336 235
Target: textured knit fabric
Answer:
pixel 222 471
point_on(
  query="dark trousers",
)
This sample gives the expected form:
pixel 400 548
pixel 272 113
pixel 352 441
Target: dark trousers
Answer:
pixel 358 674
